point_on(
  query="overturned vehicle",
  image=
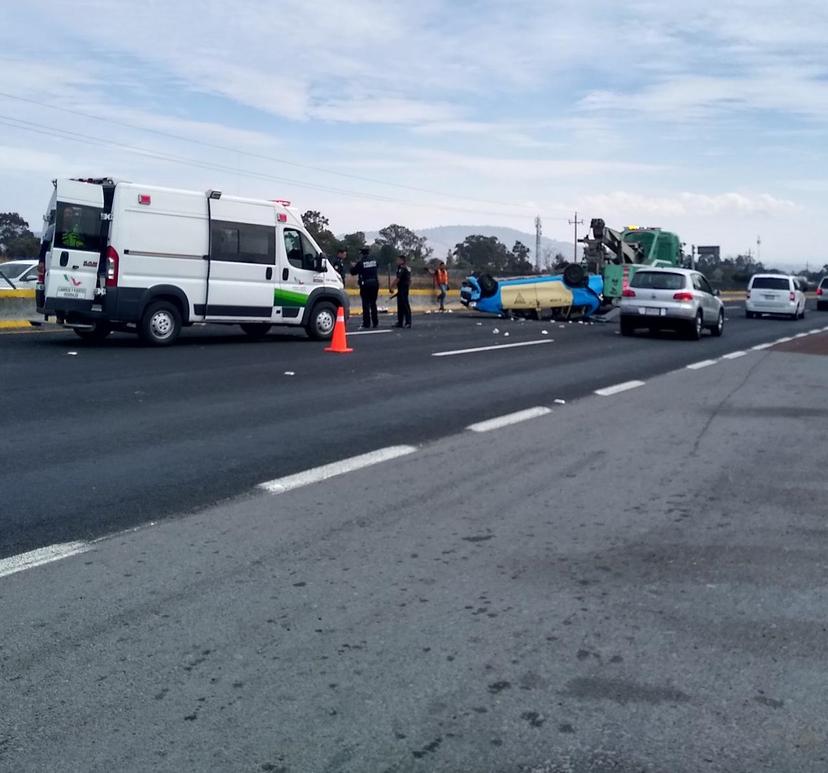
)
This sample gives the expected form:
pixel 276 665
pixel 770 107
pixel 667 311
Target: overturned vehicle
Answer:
pixel 573 292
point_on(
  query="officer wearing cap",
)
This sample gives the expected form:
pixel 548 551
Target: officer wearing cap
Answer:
pixel 368 277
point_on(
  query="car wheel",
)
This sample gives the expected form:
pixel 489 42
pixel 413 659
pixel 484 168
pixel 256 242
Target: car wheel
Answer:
pixel 749 314
pixel 822 306
pixel 98 333
pixel 697 326
pixel 718 328
pixel 321 322
pixel 160 324
pixel 627 327
pixel 255 329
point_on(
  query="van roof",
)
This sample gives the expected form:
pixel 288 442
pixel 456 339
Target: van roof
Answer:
pixel 278 204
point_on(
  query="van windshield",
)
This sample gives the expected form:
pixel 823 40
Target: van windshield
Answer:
pixel 770 283
pixel 657 280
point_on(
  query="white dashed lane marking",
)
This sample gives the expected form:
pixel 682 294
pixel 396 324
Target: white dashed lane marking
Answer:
pixel 492 348
pixel 509 418
pixel 33 558
pixel 614 390
pixel 702 364
pixel 326 471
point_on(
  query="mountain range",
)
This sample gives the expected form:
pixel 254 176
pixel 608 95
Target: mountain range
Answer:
pixel 444 238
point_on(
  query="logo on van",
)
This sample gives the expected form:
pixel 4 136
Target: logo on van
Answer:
pixel 75 282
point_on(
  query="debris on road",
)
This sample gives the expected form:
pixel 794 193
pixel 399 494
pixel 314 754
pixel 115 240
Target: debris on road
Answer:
pixel 558 401
pixel 290 373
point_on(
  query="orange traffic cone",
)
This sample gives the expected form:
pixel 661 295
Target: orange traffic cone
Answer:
pixel 339 342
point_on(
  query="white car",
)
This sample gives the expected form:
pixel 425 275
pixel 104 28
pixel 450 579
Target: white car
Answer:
pixel 774 294
pixel 18 274
pixel 672 298
pixel 822 295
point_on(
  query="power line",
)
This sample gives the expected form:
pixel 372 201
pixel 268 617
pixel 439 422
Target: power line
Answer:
pixel 100 141
pixel 256 156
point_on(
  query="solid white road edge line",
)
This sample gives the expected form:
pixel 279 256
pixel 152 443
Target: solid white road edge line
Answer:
pixel 815 331
pixel 783 340
pixel 317 474
pixel 369 332
pixel 492 348
pixel 509 418
pixel 614 390
pixel 702 364
pixel 41 556
pixel 760 347
pixel 733 355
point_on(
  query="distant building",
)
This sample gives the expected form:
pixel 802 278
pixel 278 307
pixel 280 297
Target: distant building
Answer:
pixel 709 252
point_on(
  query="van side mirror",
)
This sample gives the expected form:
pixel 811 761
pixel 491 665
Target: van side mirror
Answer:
pixel 320 265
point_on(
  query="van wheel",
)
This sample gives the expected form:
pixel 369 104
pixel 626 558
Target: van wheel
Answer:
pixel 96 335
pixel 321 321
pixel 160 324
pixel 255 329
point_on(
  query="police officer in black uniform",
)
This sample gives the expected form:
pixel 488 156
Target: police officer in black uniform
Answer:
pixel 402 284
pixel 366 271
pixel 338 263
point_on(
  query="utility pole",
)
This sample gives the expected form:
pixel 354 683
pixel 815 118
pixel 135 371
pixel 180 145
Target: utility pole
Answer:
pixel 538 234
pixel 758 246
pixel 576 223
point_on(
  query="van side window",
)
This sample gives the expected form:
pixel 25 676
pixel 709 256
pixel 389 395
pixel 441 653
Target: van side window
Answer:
pixel 300 252
pixel 78 228
pixel 242 242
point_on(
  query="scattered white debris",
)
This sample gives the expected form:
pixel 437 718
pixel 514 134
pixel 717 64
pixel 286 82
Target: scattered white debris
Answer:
pixel 72 354
pixel 580 322
pixel 479 324
pixel 506 335
pixel 496 330
pixel 558 401
pixel 290 373
pixel 544 332
pixel 449 311
pixel 428 311
pixel 561 326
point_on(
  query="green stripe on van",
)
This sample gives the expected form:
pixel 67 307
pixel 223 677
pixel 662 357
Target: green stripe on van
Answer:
pixel 289 298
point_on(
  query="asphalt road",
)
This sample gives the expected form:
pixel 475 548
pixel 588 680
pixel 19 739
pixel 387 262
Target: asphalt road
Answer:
pixel 633 583
pixel 97 439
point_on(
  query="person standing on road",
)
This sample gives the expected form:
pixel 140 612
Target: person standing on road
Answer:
pixel 338 263
pixel 366 271
pixel 441 279
pixel 402 284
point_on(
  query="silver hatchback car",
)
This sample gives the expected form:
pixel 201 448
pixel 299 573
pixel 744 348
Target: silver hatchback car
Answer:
pixel 671 298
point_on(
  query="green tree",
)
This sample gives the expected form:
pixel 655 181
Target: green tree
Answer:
pixel 484 254
pixel 16 240
pixel 317 225
pixel 519 262
pixel 396 240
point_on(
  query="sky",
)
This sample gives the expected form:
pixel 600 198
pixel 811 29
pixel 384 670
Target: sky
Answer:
pixel 707 118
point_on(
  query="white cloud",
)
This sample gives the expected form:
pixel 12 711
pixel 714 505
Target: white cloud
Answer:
pixel 635 205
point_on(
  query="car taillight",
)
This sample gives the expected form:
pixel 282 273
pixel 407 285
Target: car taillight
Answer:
pixel 819 291
pixel 628 293
pixel 111 267
pixel 683 297
pixel 791 296
pixel 41 272
pixel 747 295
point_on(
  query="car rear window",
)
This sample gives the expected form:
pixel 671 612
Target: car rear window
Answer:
pixel 658 280
pixel 12 270
pixel 824 282
pixel 771 283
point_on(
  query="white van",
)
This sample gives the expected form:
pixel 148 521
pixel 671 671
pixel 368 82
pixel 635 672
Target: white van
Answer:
pixel 774 294
pixel 123 256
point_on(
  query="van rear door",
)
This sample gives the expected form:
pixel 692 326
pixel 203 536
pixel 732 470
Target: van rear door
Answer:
pixel 72 265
